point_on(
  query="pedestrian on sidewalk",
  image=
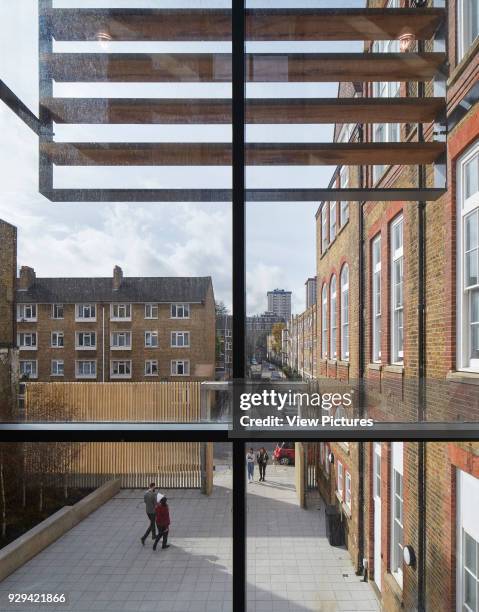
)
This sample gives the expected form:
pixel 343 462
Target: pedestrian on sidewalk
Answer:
pixel 162 522
pixel 262 459
pixel 250 464
pixel 150 503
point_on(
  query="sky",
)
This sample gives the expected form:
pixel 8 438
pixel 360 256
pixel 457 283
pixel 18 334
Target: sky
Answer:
pixel 156 239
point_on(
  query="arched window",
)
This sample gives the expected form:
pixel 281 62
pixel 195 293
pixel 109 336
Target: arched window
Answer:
pixel 345 313
pixel 333 316
pixel 324 322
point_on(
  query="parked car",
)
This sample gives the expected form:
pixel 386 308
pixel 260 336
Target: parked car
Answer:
pixel 284 453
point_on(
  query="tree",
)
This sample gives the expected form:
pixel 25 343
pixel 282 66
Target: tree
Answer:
pixel 277 333
pixel 221 309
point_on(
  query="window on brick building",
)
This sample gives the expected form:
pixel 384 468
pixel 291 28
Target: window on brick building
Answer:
pixel 397 510
pixel 376 298
pixel 467 542
pixel 332 220
pixel 182 339
pixel 151 339
pixel 26 312
pixel 57 339
pixel 120 312
pixel 468 25
pixel 58 312
pixel 340 480
pixel 468 260
pixel 28 368
pixel 180 367
pixel 151 367
pixel 57 367
pixel 85 312
pixel 151 311
pixel 27 341
pixel 180 311
pixel 397 290
pixel 333 317
pixel 120 340
pixel 345 313
pixel 85 340
pixel 324 322
pixel 324 227
pixel 120 369
pixel 85 369
pixel 343 206
pixel 347 492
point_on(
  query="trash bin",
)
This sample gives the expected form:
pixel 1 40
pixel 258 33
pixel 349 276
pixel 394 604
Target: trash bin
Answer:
pixel 334 526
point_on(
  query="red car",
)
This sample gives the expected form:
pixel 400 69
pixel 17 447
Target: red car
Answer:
pixel 284 453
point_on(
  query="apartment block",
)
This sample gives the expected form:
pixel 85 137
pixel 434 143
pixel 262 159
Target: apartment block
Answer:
pixel 118 328
pixel 279 303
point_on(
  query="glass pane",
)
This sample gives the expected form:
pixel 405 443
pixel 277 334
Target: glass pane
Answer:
pixel 470 553
pixel 471 172
pixel 472 272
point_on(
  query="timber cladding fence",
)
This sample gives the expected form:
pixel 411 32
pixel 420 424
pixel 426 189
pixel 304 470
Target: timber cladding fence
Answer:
pixel 116 401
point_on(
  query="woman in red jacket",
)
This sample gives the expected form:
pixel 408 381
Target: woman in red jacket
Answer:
pixel 162 522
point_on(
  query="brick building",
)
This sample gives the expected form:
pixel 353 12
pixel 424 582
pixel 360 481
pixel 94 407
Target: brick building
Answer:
pixel 117 328
pixel 408 315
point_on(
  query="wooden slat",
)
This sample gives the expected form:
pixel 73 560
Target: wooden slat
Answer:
pixel 261 24
pixel 192 154
pixel 334 110
pixel 260 68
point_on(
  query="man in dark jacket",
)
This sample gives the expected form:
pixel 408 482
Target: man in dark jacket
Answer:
pixel 150 502
pixel 162 522
pixel 262 459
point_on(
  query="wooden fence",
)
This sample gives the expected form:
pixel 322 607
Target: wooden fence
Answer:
pixel 155 402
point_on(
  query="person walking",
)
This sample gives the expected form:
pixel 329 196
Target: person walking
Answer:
pixel 262 459
pixel 162 522
pixel 250 464
pixel 150 503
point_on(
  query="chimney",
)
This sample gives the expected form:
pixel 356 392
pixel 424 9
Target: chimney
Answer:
pixel 117 278
pixel 27 278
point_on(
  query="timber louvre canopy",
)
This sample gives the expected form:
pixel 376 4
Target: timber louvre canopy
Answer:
pixel 78 25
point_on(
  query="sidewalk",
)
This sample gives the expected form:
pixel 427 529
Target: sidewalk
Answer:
pixel 291 566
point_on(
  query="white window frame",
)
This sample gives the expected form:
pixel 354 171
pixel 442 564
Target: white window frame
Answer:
pixel 34 368
pixel 333 221
pixel 185 336
pixel 151 310
pixel 80 310
pixel 177 307
pixel 465 23
pixel 333 318
pixel 120 311
pixel 467 502
pixel 347 491
pixel 55 308
pixel 149 364
pixel 340 481
pixel 467 208
pixel 91 374
pixel 54 367
pixel 85 347
pixel 324 227
pixel 55 336
pixel 21 338
pixel 397 517
pixel 397 308
pixel 344 329
pixel 174 366
pixel 124 364
pixel 115 344
pixel 376 298
pixel 344 204
pixel 27 313
pixel 150 338
pixel 324 321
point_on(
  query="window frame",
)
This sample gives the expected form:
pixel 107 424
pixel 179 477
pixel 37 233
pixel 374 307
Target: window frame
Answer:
pixel 33 335
pixel 340 481
pixel 59 334
pixel 333 317
pixel 117 333
pixel 126 306
pixel 396 312
pixel 151 334
pixel 24 318
pixel 87 347
pixel 91 376
pixel 324 321
pixel 176 334
pixel 128 365
pixel 344 310
pixel 463 17
pixel 54 314
pixel 57 362
pixel 185 307
pixel 376 299
pixel 151 362
pixel 178 361
pixel 31 361
pixel 397 467
pixel 152 306
pixel 81 307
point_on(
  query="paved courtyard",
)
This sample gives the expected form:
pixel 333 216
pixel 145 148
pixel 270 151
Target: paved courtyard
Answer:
pixel 101 565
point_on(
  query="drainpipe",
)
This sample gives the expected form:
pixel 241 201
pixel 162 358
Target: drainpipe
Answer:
pixel 421 359
pixel 361 358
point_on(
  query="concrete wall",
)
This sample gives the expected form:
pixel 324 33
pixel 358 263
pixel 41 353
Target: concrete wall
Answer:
pixel 45 533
